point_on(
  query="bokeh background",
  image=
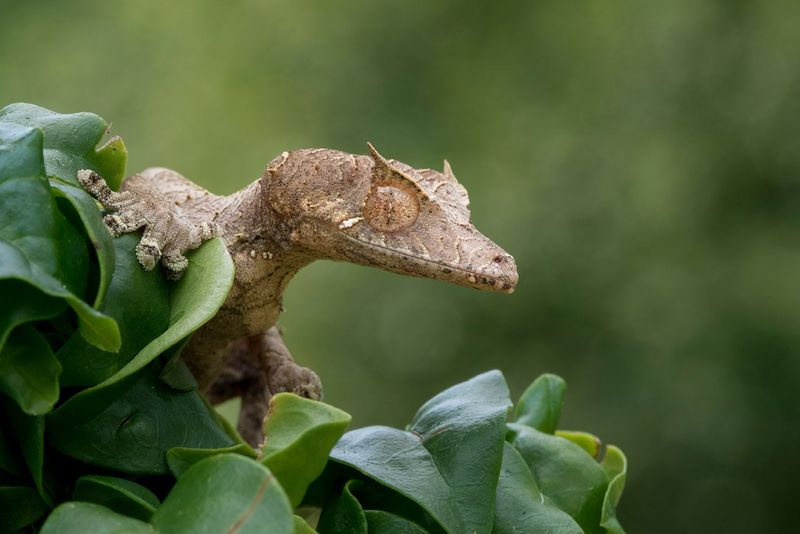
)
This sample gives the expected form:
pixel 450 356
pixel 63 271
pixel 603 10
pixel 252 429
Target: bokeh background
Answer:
pixel 639 159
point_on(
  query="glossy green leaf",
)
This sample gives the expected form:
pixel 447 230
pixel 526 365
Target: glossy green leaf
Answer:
pixel 564 472
pixel 96 232
pixel 226 493
pixel 84 517
pixel 138 301
pixel 301 527
pixel 180 459
pixel 380 522
pixel 134 433
pixel 343 513
pixel 193 301
pixel 28 431
pixel 398 460
pixel 521 507
pixel 300 434
pixel 351 511
pixel 34 152
pixel 29 304
pixel 450 460
pixel 540 405
pixel 176 374
pixel 464 429
pixel 29 371
pixel 118 494
pixel 21 151
pixel 96 327
pixel 19 506
pixel 616 466
pixel 588 442
pixel 29 217
pixel 71 142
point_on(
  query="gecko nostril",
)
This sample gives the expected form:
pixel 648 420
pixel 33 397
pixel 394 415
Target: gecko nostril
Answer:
pixel 498 259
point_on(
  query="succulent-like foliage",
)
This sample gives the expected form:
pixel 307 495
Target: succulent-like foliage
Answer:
pixel 102 429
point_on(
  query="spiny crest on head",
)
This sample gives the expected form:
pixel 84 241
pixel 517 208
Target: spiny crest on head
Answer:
pixel 389 171
pixel 440 187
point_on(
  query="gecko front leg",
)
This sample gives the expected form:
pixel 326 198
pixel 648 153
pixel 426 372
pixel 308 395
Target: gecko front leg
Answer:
pixel 167 235
pixel 258 367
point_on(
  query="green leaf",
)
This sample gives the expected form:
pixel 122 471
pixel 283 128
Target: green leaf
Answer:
pixel 540 405
pixel 71 142
pixel 226 493
pixel 343 513
pixel 301 527
pixel 29 371
pixel 176 374
pixel 346 512
pixel 300 434
pixel 29 432
pixel 118 494
pixel 96 327
pixel 399 461
pixel 134 433
pixel 96 232
pixel 180 459
pixel 29 217
pixel 464 429
pixel 19 506
pixel 83 517
pixel 380 522
pixel 564 472
pixel 138 301
pixel 450 461
pixel 616 466
pixel 588 442
pixel 193 301
pixel 20 151
pixel 25 303
pixel 521 507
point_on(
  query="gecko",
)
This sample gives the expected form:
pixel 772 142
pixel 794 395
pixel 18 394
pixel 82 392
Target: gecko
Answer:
pixel 309 204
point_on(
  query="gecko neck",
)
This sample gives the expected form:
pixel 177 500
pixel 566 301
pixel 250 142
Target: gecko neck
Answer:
pixel 264 264
pixel 264 259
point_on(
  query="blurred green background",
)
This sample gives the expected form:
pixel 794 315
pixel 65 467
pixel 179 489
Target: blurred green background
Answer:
pixel 639 159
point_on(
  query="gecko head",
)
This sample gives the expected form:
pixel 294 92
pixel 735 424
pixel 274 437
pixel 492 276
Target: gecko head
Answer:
pixel 384 213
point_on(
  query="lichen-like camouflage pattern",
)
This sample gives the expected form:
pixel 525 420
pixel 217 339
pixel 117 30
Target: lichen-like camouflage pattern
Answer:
pixel 309 204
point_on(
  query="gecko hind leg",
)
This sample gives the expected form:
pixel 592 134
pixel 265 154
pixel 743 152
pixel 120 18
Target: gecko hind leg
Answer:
pixel 258 367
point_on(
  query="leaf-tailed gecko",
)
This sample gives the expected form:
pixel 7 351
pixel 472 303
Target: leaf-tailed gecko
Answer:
pixel 309 204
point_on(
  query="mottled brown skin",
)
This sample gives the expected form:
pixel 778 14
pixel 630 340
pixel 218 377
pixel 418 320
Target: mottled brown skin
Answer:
pixel 309 204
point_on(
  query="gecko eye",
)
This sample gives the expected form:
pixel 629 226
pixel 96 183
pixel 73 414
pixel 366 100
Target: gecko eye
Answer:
pixel 390 209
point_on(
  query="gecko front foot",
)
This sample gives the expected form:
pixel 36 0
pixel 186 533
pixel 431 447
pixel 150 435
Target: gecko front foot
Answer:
pixel 167 235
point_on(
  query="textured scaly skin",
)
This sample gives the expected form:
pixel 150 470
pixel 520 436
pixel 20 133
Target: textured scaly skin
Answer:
pixel 309 204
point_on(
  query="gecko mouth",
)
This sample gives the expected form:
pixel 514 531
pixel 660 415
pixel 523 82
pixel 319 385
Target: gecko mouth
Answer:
pixel 505 282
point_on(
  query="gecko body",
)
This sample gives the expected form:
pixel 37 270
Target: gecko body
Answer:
pixel 309 204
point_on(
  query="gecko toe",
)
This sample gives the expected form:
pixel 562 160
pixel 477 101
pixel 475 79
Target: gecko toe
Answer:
pixel 148 253
pixel 174 265
pixel 309 391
